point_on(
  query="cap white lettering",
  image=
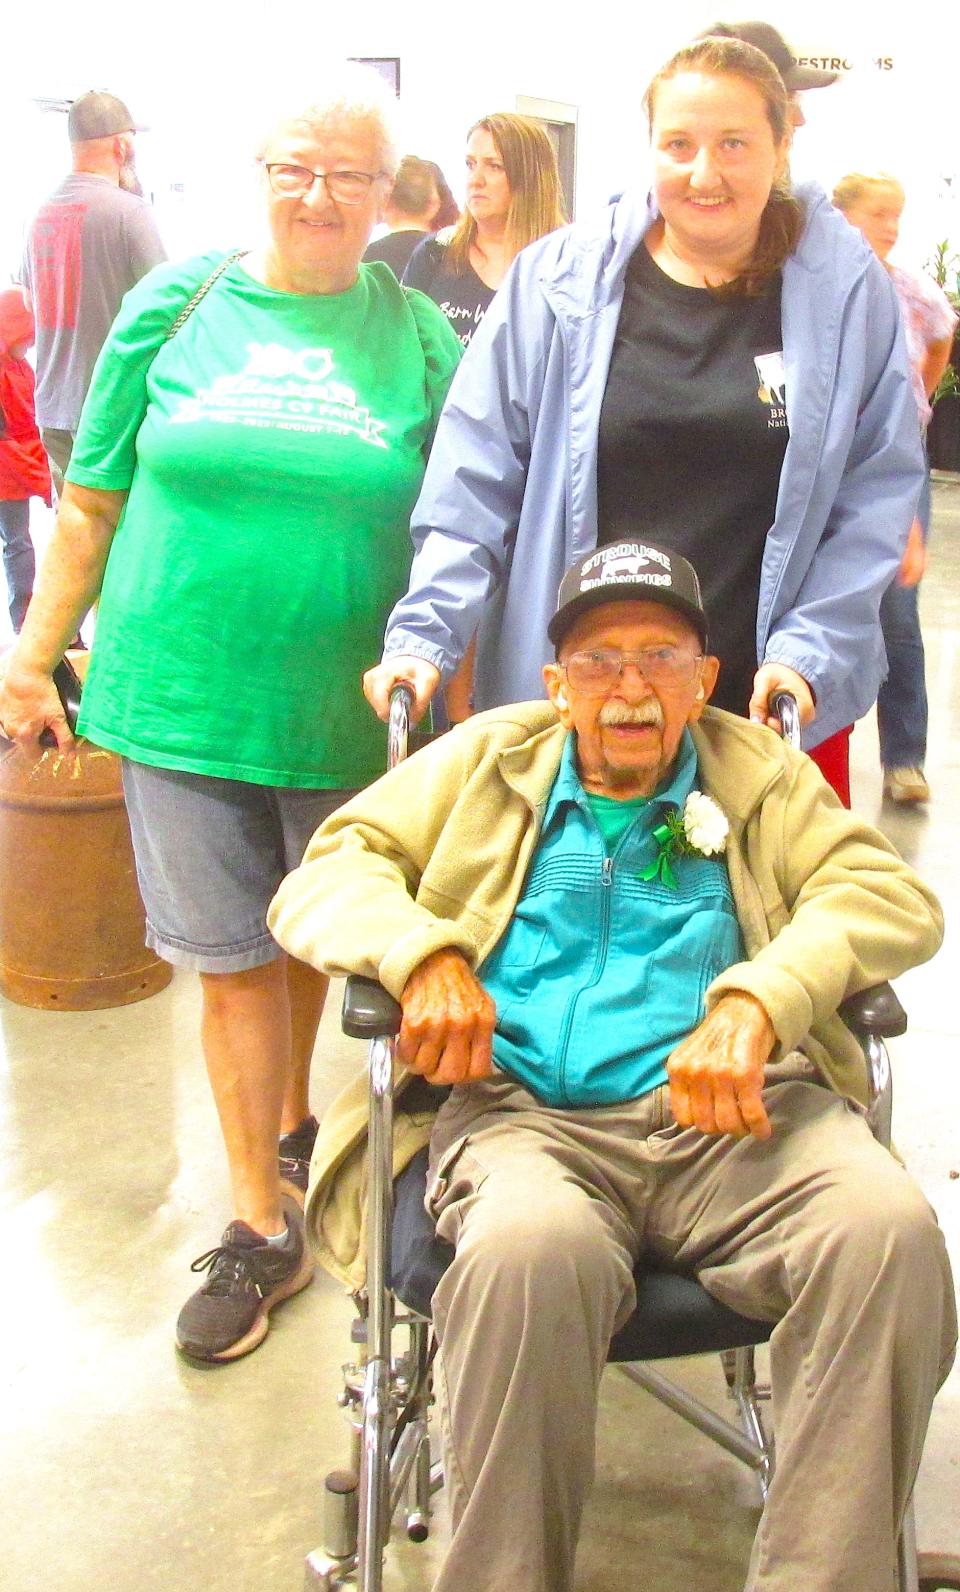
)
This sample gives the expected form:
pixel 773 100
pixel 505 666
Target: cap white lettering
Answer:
pixel 626 580
pixel 637 552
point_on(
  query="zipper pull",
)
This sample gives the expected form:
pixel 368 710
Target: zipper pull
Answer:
pixel 607 874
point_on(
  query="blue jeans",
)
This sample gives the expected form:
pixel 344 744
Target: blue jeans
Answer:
pixel 902 699
pixel 19 564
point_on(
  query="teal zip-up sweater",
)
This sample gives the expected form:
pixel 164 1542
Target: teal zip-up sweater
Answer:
pixel 601 974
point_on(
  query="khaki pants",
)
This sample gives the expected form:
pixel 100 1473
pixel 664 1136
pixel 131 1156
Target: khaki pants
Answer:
pixel 818 1229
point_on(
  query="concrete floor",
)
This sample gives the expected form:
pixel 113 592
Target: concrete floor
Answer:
pixel 121 1466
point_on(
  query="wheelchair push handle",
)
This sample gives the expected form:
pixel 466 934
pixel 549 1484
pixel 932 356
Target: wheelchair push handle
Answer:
pixel 783 705
pixel 873 1013
pixel 398 723
pixel 368 1011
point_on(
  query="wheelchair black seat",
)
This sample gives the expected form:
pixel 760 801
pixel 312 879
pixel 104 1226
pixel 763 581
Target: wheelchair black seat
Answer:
pixel 674 1314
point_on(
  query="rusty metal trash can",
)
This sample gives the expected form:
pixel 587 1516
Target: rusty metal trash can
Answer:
pixel 71 918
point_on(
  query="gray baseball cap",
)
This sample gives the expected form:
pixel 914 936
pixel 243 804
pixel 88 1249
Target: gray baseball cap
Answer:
pixel 775 47
pixel 99 115
pixel 629 568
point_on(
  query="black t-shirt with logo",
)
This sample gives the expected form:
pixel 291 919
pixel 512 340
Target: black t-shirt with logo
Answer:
pixel 693 431
pixel 461 295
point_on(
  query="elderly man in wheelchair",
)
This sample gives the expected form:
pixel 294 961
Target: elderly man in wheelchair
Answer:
pixel 620 925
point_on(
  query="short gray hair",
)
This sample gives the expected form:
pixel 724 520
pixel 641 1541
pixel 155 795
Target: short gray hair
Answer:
pixel 348 92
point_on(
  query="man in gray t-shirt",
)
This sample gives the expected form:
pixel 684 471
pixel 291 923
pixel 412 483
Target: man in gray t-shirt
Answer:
pixel 94 237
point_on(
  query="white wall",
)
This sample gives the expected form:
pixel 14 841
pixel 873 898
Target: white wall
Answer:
pixel 202 75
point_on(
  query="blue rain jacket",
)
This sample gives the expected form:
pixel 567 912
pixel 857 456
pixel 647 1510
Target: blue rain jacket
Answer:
pixel 509 500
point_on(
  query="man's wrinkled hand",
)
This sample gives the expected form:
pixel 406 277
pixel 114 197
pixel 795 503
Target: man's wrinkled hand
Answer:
pixel 447 1029
pixel 717 1074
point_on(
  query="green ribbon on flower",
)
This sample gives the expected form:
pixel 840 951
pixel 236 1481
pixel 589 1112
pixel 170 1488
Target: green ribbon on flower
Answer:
pixel 666 839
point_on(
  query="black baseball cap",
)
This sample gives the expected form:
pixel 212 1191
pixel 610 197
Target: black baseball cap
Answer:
pixel 99 115
pixel 775 47
pixel 629 568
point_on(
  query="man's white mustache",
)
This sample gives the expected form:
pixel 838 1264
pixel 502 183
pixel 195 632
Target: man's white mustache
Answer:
pixel 622 713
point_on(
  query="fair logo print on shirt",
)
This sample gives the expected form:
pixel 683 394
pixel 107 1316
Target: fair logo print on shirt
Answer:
pixel 285 389
pixel 772 388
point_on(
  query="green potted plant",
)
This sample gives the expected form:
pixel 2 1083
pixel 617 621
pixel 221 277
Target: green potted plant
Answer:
pixel 943 435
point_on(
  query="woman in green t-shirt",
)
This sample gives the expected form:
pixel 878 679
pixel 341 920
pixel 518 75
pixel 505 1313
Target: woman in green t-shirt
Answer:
pixel 239 496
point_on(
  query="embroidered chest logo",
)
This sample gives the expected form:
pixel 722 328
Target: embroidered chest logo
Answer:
pixel 284 389
pixel 772 388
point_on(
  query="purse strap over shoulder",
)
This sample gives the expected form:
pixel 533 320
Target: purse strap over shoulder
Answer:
pixel 202 291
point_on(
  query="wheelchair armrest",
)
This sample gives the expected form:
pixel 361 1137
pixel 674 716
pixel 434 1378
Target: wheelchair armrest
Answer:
pixel 368 1011
pixel 874 1013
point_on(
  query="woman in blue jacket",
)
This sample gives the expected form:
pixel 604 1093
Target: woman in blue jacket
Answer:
pixel 723 365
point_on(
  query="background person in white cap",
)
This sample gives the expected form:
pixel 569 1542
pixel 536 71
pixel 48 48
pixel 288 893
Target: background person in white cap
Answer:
pixel 93 238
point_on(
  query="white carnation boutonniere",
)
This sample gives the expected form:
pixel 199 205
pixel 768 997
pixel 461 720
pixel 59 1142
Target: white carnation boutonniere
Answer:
pixel 701 830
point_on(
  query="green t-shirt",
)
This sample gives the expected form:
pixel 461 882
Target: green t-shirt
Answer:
pixel 614 817
pixel 273 451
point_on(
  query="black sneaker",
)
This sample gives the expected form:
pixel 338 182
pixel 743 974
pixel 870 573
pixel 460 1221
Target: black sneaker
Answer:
pixel 227 1317
pixel 295 1150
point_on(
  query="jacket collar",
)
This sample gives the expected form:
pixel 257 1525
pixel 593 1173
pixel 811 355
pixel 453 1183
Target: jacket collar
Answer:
pixel 585 271
pixel 672 792
pixel 531 767
pixel 739 762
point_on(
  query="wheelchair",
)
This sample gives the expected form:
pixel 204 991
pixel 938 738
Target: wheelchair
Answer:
pixel 387 1393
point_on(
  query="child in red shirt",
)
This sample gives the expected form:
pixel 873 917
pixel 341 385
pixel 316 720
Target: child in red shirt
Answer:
pixel 24 472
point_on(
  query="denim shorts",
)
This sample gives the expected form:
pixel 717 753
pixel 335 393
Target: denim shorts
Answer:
pixel 210 856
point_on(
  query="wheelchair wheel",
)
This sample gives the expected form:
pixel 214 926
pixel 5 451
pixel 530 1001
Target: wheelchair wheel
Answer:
pixel 939 1572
